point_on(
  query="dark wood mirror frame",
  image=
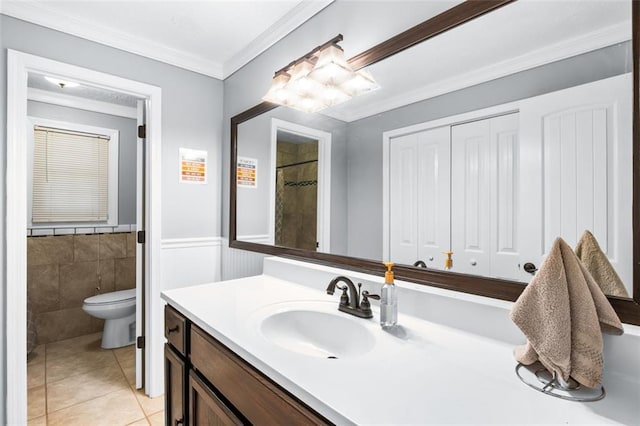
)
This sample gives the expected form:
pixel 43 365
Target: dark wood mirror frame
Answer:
pixel 627 309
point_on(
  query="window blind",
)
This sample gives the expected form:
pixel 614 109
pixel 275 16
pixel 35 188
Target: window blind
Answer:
pixel 70 176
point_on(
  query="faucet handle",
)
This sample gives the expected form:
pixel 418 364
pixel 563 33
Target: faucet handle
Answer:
pixel 366 294
pixel 365 306
pixel 344 297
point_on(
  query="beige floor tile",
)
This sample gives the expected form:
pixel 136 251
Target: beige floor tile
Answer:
pixel 87 343
pixel 35 374
pixel 36 402
pixel 38 421
pixel 157 419
pixel 130 374
pixel 116 408
pixel 70 365
pixel 83 387
pixel 141 422
pixel 126 356
pixel 149 405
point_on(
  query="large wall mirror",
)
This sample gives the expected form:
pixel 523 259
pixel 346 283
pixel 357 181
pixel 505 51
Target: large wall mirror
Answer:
pixel 488 144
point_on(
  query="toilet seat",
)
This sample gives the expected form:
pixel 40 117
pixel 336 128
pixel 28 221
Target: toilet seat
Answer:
pixel 112 297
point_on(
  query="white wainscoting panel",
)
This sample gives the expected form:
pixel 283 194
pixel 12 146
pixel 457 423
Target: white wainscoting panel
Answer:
pixel 190 261
pixel 241 263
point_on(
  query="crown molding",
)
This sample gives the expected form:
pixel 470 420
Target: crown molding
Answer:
pixel 70 101
pixel 304 11
pixel 565 49
pixel 43 14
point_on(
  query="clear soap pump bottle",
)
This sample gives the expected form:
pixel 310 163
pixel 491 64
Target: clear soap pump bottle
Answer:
pixel 388 299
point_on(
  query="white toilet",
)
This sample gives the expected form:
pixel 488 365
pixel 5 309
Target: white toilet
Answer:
pixel 118 309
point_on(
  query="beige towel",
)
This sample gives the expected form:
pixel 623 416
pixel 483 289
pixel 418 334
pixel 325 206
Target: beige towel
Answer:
pixel 562 312
pixel 592 257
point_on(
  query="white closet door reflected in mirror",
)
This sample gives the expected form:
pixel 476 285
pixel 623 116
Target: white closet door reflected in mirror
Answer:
pixel 484 198
pixel 556 168
pixel 420 197
pixel 453 188
pixel 578 176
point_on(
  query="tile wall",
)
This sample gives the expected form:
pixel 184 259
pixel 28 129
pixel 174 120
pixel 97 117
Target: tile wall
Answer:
pixel 64 270
pixel 296 195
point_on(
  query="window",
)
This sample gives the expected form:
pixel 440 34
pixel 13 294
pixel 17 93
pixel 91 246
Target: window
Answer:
pixel 73 175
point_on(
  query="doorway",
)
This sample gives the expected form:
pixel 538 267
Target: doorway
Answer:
pixel 300 213
pixel 296 191
pixel 20 65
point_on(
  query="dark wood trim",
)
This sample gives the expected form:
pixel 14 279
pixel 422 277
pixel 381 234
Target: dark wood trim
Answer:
pixel 448 19
pixel 627 309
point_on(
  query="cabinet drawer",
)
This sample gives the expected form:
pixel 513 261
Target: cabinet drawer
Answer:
pixel 256 397
pixel 175 329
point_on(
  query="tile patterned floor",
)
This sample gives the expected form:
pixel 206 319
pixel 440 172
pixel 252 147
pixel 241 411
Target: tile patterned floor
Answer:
pixel 75 382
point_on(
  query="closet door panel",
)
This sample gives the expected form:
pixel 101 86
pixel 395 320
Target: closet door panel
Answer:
pixel 470 197
pixel 576 156
pixel 505 202
pixel 434 213
pixel 403 210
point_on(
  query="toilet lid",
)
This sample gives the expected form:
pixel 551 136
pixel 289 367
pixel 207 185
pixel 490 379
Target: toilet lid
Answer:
pixel 112 297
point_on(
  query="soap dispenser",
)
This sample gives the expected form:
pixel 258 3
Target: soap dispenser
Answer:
pixel 388 299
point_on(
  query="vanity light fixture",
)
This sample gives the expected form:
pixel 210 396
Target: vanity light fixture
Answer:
pixel 61 83
pixel 319 79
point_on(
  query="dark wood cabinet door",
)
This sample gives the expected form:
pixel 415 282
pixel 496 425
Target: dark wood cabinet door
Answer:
pixel 174 382
pixel 205 408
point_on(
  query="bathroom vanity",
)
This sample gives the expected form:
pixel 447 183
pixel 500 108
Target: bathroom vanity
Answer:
pixel 206 381
pixel 264 349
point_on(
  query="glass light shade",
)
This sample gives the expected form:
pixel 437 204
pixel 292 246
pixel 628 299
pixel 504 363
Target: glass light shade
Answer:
pixel 311 88
pixel 331 67
pixel 332 95
pixel 307 104
pixel 301 84
pixel 278 93
pixel 362 82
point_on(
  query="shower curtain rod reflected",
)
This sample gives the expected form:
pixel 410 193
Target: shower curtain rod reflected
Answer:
pixel 296 164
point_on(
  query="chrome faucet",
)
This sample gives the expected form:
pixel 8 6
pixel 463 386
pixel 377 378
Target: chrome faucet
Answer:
pixel 350 298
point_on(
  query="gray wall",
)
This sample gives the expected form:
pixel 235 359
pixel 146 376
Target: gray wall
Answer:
pixel 127 128
pixel 191 117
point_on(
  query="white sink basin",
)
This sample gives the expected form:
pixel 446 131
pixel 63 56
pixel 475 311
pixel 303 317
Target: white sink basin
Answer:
pixel 317 333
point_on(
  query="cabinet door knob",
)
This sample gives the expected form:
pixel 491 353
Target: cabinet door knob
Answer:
pixel 173 330
pixel 530 268
pixel 179 421
pixel 473 262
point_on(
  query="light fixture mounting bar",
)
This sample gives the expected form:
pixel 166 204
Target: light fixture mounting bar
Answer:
pixel 310 54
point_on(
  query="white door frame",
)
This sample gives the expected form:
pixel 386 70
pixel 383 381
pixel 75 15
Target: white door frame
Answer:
pixel 19 64
pixel 324 179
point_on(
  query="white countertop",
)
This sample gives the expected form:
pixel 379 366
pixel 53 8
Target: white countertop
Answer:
pixel 436 375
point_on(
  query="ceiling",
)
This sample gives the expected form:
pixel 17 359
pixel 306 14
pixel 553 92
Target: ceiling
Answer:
pixel 529 33
pixel 214 38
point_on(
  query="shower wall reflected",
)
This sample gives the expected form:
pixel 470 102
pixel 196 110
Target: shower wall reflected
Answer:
pixel 296 191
